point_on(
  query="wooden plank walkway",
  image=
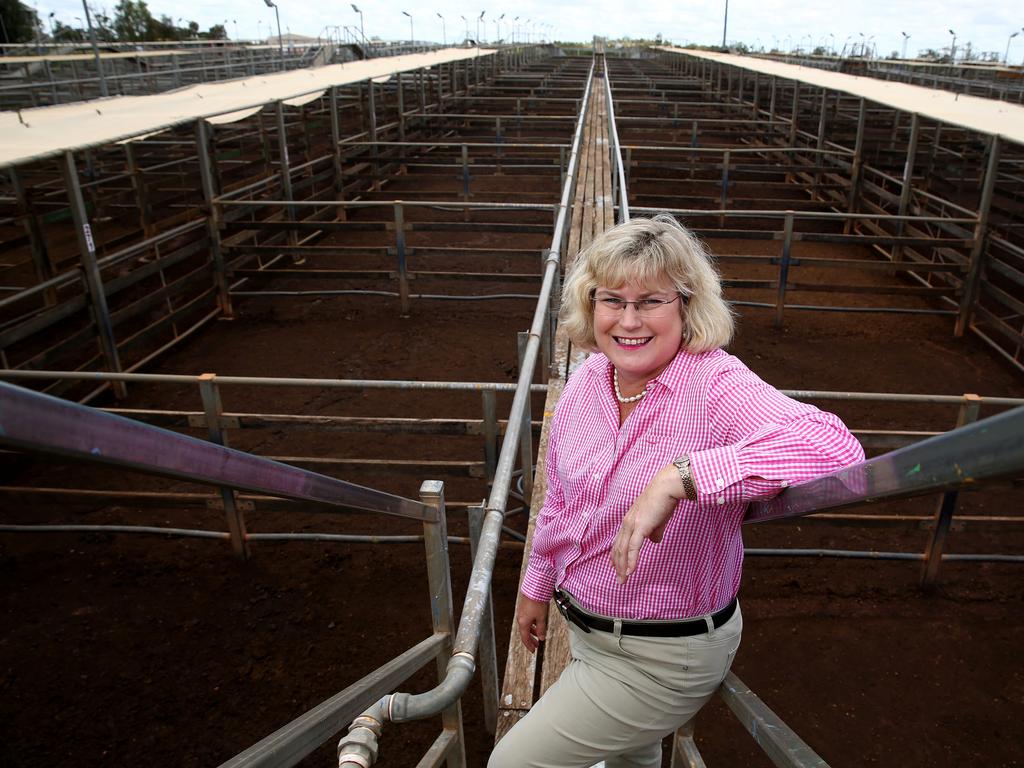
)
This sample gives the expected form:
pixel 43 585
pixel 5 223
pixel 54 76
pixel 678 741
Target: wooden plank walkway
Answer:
pixel 527 676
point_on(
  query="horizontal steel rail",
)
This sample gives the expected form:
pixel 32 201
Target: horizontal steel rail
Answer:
pixel 461 386
pixel 779 742
pixel 986 450
pixel 270 381
pixel 816 215
pixel 288 745
pixel 37 422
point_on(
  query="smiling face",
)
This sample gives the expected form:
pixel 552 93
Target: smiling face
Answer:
pixel 640 346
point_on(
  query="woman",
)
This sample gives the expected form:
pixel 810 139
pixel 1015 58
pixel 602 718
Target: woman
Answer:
pixel 661 435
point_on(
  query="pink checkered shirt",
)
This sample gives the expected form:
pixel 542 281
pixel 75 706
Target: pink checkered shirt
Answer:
pixel 746 441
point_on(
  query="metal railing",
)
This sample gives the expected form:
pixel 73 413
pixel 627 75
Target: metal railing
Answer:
pixel 399 707
pixel 620 195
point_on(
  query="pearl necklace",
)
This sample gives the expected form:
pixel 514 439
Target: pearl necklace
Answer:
pixel 618 392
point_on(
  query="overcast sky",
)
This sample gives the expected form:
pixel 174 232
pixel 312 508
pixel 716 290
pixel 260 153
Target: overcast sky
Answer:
pixel 986 24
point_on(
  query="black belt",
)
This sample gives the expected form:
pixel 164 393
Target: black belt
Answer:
pixel 684 628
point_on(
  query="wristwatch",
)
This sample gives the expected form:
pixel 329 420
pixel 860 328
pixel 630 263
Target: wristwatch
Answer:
pixel 682 464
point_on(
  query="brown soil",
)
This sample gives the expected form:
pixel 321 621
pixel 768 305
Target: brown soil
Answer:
pixel 120 649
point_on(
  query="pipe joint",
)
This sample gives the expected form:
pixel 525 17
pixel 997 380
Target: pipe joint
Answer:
pixel 359 747
pixel 404 706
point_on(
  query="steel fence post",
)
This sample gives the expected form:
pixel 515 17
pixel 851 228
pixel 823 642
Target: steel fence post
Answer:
pixel 488 653
pixel 490 433
pixel 339 175
pixel 213 409
pixel 435 539
pixel 787 245
pixel 853 201
pixel 724 197
pixel 91 272
pixel 970 289
pixel 403 269
pixel 947 505
pixel 207 179
pixel 526 431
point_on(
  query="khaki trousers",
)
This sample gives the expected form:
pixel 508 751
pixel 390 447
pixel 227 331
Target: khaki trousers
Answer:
pixel 618 698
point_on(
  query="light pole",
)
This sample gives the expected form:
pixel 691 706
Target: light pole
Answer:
pixel 832 45
pixel 466 21
pixel 280 42
pixel 95 50
pixel 905 38
pixel 411 36
pixel 952 48
pixel 497 27
pixel 362 35
pixel 1006 56
pixel 235 22
pixel 444 35
pixel 481 18
pixel 725 22
pixel 514 29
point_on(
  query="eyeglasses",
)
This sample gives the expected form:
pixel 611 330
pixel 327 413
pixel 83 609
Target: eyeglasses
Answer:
pixel 612 305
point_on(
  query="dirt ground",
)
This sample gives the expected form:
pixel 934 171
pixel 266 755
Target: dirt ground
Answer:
pixel 118 650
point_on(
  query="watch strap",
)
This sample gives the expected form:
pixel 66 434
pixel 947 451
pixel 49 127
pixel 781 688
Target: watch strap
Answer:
pixel 682 464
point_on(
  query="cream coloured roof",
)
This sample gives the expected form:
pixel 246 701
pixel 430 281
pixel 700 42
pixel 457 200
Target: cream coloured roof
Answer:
pixel 35 133
pixel 987 116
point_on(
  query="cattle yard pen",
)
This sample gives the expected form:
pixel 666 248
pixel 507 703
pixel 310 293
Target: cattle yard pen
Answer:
pixel 451 190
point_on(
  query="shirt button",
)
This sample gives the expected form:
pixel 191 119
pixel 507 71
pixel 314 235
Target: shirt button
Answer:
pixel 785 483
pixel 721 499
pixel 721 483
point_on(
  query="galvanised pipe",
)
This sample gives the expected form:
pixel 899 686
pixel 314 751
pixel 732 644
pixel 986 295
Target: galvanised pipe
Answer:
pixel 33 421
pixel 989 449
pixel 616 149
pixel 460 386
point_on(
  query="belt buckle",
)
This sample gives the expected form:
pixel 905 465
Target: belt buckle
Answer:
pixel 565 608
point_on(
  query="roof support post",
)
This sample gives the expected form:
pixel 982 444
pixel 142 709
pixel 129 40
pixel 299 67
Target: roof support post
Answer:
pixel 435 539
pixel 139 187
pixel 853 201
pixel 400 92
pixel 422 75
pixel 819 159
pixel 40 253
pixel 980 238
pixel 440 88
pixel 371 112
pixel 793 114
pixel 286 174
pixel 908 181
pixel 208 179
pixel 91 272
pixel 339 177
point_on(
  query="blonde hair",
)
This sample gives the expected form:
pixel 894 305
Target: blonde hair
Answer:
pixel 649 252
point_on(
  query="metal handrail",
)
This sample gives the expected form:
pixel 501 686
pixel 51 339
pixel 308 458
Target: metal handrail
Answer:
pixel 985 450
pixel 400 707
pixel 33 421
pixel 616 152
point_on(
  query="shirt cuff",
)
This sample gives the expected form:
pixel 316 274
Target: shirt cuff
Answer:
pixel 538 582
pixel 717 476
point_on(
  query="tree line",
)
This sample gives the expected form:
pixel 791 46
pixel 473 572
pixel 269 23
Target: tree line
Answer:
pixel 130 22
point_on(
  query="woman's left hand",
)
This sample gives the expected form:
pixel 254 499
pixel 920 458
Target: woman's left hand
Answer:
pixel 646 519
